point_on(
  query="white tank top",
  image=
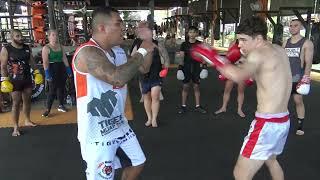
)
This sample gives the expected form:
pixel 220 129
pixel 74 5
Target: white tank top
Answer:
pixel 100 106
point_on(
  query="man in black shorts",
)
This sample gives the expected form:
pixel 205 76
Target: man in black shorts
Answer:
pixel 190 70
pixel 300 52
pixel 16 61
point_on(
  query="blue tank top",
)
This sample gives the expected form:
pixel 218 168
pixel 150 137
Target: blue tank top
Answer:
pixel 294 52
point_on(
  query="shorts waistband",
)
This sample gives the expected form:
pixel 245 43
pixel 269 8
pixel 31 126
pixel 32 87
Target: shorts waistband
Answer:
pixel 276 118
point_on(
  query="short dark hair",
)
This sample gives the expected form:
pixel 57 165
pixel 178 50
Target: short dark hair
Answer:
pixel 253 27
pixel 193 28
pixel 104 12
pixel 51 31
pixel 12 31
pixel 144 24
pixel 298 20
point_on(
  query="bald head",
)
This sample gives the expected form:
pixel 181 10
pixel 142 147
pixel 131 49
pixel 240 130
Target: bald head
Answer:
pixel 101 16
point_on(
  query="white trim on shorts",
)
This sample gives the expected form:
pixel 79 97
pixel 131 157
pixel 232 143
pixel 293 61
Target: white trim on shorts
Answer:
pixel 267 136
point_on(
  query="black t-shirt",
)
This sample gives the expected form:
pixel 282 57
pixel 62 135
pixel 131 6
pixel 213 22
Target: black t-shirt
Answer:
pixel 18 62
pixel 189 63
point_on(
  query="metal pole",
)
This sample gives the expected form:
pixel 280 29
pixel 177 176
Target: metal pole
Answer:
pixel 85 24
pixel 106 2
pixel 151 9
pixel 240 7
pixel 52 24
pixel 63 21
pixel 214 16
pixel 223 25
pixel 30 24
pixel 10 14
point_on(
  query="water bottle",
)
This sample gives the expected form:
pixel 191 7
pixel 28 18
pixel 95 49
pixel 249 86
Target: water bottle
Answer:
pixel 69 100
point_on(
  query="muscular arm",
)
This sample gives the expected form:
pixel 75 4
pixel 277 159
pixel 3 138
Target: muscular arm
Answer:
pixel 308 56
pixel 164 54
pixel 284 43
pixel 45 57
pixel 93 61
pixel 145 67
pixel 243 72
pixel 4 62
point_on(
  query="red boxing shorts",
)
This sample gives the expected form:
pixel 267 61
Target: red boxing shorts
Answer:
pixel 267 136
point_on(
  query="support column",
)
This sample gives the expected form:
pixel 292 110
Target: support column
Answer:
pixel 85 24
pixel 151 9
pixel 30 24
pixel 63 21
pixel 245 9
pixel 214 17
pixel 52 24
pixel 11 13
pixel 107 2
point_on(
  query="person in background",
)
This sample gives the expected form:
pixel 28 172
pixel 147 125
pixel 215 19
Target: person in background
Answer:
pixel 190 72
pixel 16 78
pixel 56 67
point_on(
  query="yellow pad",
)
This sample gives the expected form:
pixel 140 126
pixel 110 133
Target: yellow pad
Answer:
pixel 38 79
pixel 6 87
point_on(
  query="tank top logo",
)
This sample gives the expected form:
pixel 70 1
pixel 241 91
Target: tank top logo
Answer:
pixel 104 107
pixel 293 52
pixel 16 68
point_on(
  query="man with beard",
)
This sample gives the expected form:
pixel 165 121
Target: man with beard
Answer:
pixel 16 61
pixel 102 71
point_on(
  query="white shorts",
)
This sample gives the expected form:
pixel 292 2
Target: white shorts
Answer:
pixel 103 158
pixel 267 136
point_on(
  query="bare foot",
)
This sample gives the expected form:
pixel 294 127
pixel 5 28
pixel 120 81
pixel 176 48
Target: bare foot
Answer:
pixel 221 110
pixel 30 123
pixel 154 124
pixel 148 123
pixel 241 114
pixel 15 133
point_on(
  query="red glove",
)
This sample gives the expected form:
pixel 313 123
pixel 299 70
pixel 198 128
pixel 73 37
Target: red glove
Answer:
pixel 200 53
pixel 234 53
pixel 222 77
pixel 249 82
pixel 163 73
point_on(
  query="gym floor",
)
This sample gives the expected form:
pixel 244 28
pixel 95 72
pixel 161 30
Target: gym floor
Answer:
pixel 184 147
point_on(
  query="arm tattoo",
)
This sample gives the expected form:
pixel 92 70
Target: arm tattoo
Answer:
pixel 100 67
pixel 145 67
pixel 164 54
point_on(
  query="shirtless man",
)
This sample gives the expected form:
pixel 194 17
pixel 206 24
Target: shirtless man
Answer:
pixel 300 53
pixel 101 72
pixel 269 65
